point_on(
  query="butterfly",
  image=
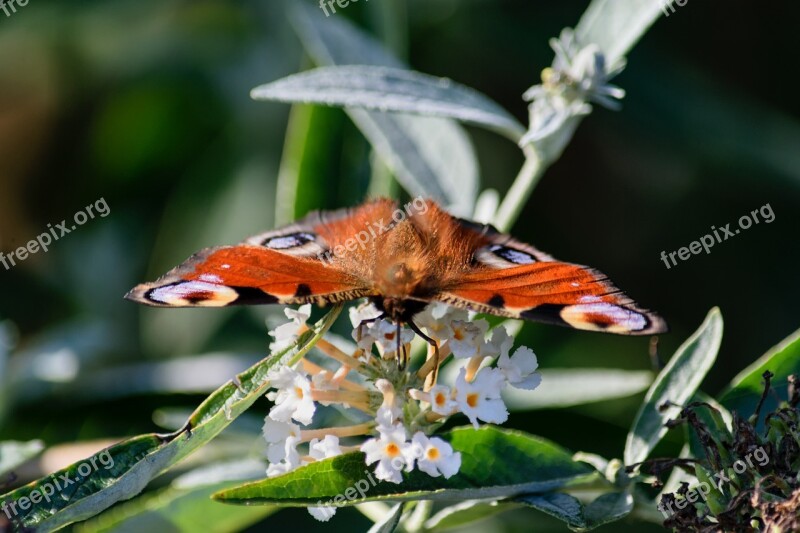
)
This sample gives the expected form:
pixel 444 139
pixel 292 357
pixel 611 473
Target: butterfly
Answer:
pixel 401 257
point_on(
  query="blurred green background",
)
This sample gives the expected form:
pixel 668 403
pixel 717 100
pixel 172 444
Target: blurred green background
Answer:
pixel 146 105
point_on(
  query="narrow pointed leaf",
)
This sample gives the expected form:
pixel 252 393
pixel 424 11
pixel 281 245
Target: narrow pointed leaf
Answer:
pixel 565 387
pixel 616 25
pixel 744 391
pixel 388 89
pixel 558 505
pixel 136 461
pixel 676 383
pixel 495 463
pixel 390 523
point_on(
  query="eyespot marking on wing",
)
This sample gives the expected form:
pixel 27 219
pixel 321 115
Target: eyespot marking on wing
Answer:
pixel 203 294
pixel 499 256
pixel 518 257
pixel 285 242
pixel 604 317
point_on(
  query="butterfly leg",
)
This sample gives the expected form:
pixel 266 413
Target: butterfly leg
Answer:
pixel 418 331
pixel 402 353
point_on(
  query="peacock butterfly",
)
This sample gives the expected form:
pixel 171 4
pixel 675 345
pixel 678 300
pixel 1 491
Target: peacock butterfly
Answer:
pixel 402 258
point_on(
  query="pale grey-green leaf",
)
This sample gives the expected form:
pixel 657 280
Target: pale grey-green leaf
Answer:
pixel 676 383
pixel 391 89
pixel 566 387
pixel 616 25
pixel 390 522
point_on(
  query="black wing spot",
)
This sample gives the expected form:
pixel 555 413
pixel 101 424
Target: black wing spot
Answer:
pixel 302 290
pixel 546 313
pixel 253 295
pixel 284 242
pixel 518 257
pixel 497 301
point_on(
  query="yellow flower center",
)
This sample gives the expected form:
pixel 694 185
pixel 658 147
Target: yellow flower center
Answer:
pixel 458 335
pixel 472 399
pixel 432 454
pixel 299 392
pixel 440 399
pixel 392 450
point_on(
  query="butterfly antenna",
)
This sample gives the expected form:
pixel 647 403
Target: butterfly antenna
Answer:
pixel 433 343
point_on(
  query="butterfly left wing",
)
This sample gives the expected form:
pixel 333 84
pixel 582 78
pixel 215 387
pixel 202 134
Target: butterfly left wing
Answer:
pixel 512 279
pixel 291 265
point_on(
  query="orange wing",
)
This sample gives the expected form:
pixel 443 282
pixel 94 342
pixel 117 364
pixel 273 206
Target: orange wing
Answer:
pixel 292 265
pixel 512 279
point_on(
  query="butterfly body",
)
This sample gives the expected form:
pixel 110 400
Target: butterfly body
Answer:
pixel 402 258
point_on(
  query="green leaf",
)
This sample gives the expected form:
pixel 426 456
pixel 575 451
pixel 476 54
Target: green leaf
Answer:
pixel 136 461
pixel 14 454
pixel 676 383
pixel 428 156
pixel 604 509
pixel 495 463
pixel 568 387
pixel 608 508
pixel 616 25
pixel 558 505
pixel 467 512
pixel 186 506
pixel 388 89
pixel 390 523
pixel 744 391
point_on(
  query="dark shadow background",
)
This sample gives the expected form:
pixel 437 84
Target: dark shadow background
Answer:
pixel 145 104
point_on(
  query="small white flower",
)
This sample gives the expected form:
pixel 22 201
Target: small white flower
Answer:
pixel 363 311
pixel 467 339
pixel 323 514
pixel 435 457
pixel 276 434
pixel 325 448
pixel 520 368
pixel 439 397
pixel 436 319
pixel 293 397
pixel 286 334
pixel 391 452
pixel 389 411
pixel 578 75
pixel 480 399
pixel 384 334
pixel 290 461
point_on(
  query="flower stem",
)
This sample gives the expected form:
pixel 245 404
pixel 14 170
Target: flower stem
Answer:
pixel 342 431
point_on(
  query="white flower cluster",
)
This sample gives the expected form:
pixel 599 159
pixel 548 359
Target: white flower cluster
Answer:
pixel 396 403
pixel 579 75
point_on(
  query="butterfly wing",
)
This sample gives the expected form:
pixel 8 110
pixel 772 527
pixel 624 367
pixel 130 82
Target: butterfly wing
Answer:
pixel 292 265
pixel 512 279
